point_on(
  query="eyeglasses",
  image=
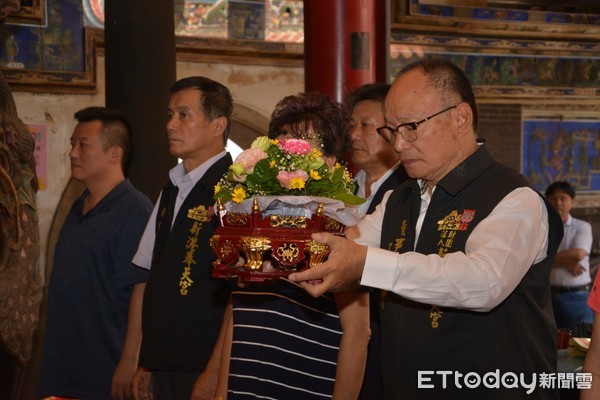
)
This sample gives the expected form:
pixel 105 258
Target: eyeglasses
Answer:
pixel 407 130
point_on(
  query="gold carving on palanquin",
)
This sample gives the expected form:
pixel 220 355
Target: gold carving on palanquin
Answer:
pixel 254 247
pixel 288 252
pixel 236 218
pixel 225 249
pixel 214 243
pixel 332 225
pixel 318 252
pixel 288 221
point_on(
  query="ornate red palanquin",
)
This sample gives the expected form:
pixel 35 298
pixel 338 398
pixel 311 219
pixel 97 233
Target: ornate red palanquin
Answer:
pixel 258 248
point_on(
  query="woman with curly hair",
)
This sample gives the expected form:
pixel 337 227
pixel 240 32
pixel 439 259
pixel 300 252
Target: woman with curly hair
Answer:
pixel 280 342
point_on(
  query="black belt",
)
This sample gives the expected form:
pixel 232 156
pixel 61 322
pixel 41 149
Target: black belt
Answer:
pixel 562 289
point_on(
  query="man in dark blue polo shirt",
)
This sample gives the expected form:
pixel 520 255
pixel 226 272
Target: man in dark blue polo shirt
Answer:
pixel 87 354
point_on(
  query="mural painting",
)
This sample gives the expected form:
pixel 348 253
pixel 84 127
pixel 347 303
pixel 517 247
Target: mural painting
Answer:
pixel 562 150
pixel 57 47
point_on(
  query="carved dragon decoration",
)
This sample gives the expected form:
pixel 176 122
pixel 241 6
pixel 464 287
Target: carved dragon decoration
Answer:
pixel 21 287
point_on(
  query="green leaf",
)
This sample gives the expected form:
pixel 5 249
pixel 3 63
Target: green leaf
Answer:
pixel 347 198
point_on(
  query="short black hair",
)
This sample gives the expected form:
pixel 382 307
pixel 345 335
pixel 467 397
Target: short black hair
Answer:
pixel 561 185
pixel 215 102
pixel 370 91
pixel 116 129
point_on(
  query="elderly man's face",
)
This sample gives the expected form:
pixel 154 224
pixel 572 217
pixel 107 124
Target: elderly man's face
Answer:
pixel 438 148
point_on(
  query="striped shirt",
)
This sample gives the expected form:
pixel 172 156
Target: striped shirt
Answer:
pixel 285 343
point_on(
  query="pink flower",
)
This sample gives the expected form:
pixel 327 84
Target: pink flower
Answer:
pixel 292 180
pixel 295 146
pixel 248 158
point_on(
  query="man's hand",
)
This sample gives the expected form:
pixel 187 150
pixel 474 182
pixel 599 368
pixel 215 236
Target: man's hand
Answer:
pixel 141 384
pixel 341 271
pixel 205 386
pixel 575 269
pixel 122 379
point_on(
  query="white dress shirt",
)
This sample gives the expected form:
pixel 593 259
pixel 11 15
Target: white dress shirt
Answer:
pixel 498 254
pixel 578 235
pixel 360 179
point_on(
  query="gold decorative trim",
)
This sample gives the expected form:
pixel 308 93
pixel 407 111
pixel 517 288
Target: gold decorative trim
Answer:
pixel 288 221
pixel 254 247
pixel 318 252
pixel 236 218
pixel 288 252
pixel 332 225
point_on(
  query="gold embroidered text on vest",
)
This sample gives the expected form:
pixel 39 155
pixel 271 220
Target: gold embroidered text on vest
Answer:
pixel 448 226
pixel 398 243
pixel 200 215
pixel 435 314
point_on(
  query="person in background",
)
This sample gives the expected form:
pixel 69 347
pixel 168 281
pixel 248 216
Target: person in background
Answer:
pixel 591 364
pixel 570 277
pixel 93 329
pixel 281 342
pixel 379 170
pixel 183 306
pixel 465 250
pixel 377 162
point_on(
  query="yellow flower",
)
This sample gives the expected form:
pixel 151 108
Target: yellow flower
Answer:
pixel 347 176
pixel 238 195
pixel 285 171
pixel 316 159
pixel 297 183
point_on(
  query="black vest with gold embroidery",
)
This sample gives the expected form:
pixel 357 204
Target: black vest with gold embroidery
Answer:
pixel 516 336
pixel 183 305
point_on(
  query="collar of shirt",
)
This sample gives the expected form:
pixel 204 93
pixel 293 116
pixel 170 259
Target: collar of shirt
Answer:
pixel 104 203
pixel 425 199
pixel 361 177
pixel 185 181
pixel 569 220
pixel 360 180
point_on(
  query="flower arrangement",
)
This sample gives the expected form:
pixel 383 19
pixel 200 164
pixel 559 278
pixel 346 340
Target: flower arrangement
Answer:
pixel 287 167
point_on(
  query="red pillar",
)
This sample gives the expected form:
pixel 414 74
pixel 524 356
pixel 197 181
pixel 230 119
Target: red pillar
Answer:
pixel 382 40
pixel 343 45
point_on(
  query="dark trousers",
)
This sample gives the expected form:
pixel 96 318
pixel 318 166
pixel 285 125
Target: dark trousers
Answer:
pixel 570 308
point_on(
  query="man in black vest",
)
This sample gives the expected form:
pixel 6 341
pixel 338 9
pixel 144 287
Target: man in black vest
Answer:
pixel 183 306
pixel 379 170
pixel 466 249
